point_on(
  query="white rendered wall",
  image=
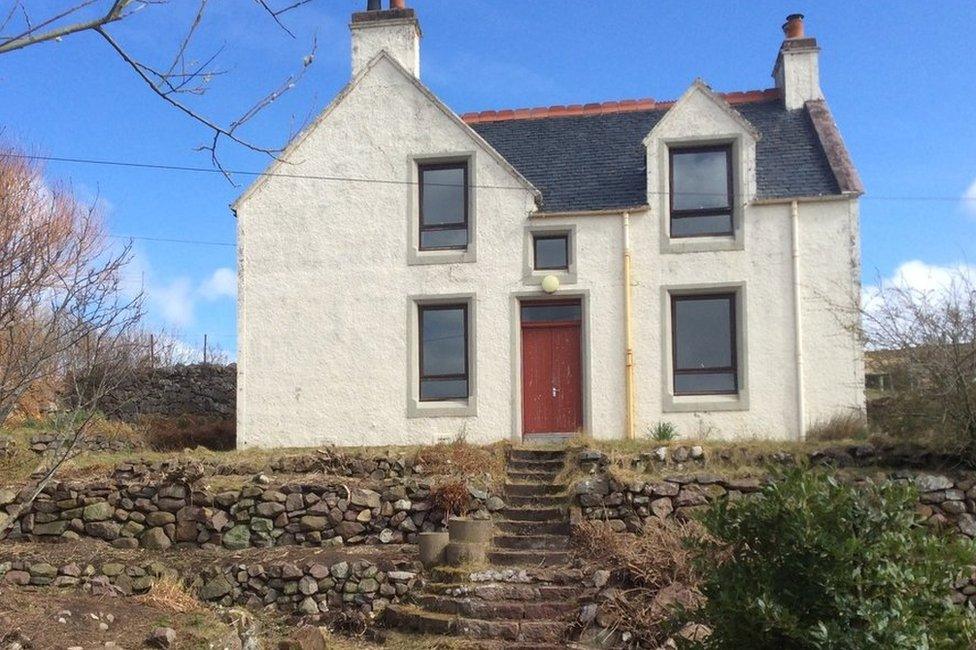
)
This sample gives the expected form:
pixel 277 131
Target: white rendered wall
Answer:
pixel 324 278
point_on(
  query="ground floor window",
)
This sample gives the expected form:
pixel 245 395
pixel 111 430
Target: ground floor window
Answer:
pixel 443 351
pixel 703 340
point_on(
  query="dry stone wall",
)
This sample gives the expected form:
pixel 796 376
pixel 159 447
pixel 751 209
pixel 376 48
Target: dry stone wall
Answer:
pixel 170 513
pixel 306 587
pixel 200 389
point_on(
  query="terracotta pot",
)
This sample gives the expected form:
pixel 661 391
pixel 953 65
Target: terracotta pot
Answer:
pixel 432 547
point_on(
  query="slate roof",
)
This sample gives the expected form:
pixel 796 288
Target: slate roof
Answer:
pixel 595 162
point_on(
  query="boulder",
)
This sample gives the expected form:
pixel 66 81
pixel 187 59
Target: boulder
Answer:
pixel 155 539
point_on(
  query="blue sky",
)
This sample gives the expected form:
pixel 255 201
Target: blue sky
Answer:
pixel 900 80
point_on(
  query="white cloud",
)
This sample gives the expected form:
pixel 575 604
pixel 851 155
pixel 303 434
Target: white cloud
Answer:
pixel 969 199
pixel 919 277
pixel 174 301
pixel 223 283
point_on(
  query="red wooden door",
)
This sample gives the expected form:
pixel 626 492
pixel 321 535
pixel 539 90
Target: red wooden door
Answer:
pixel 552 400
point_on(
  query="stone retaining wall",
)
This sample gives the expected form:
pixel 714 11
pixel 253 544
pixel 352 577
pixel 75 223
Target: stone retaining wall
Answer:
pixel 160 515
pixel 306 588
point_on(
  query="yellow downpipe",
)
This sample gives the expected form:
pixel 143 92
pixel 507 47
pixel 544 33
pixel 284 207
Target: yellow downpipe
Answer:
pixel 628 335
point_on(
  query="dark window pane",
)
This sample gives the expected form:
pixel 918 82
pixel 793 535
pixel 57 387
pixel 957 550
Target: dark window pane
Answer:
pixel 699 180
pixel 537 313
pixel 720 224
pixel 443 196
pixel 704 382
pixel 453 238
pixel 443 389
pixel 703 333
pixel 552 252
pixel 443 349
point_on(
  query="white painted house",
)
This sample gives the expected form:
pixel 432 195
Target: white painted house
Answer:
pixel 408 274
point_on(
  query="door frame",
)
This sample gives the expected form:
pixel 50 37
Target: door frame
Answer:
pixel 516 300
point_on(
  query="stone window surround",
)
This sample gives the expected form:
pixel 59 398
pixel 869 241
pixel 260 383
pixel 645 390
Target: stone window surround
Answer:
pixel 740 188
pixel 417 257
pixel 671 403
pixel 443 408
pixel 533 276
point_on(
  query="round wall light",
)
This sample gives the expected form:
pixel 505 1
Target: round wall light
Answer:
pixel 550 284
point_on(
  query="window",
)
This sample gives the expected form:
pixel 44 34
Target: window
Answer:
pixel 703 341
pixel 443 206
pixel 443 352
pixel 551 251
pixel 701 191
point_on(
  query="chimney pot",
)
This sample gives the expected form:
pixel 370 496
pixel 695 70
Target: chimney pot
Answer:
pixel 398 4
pixel 793 27
pixel 374 5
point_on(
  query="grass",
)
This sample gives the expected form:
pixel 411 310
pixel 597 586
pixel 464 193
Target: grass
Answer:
pixel 170 594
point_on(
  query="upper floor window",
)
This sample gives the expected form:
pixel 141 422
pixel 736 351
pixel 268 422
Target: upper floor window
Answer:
pixel 443 206
pixel 443 352
pixel 703 341
pixel 701 191
pixel 550 251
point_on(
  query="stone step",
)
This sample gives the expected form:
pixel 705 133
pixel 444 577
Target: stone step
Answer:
pixel 550 500
pixel 537 454
pixel 534 489
pixel 527 558
pixel 531 542
pixel 535 465
pixel 494 610
pixel 411 618
pixel 509 591
pixel 536 514
pixel 532 477
pixel 533 527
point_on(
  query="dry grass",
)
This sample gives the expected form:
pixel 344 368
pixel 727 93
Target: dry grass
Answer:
pixel 461 458
pixel 654 570
pixel 847 426
pixel 162 433
pixel 452 497
pixel 171 595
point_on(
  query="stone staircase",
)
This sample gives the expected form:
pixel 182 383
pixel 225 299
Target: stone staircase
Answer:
pixel 528 597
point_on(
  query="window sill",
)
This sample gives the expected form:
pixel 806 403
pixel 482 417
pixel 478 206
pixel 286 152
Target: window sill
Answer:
pixel 701 244
pixel 565 276
pixel 416 257
pixel 442 409
pixel 693 403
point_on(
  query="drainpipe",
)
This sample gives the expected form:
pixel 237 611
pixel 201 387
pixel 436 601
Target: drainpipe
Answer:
pixel 628 334
pixel 797 320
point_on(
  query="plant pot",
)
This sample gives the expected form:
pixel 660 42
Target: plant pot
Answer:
pixel 465 554
pixel 432 547
pixel 471 531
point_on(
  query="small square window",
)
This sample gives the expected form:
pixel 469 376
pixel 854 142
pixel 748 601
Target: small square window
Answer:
pixel 703 344
pixel 443 206
pixel 701 191
pixel 551 251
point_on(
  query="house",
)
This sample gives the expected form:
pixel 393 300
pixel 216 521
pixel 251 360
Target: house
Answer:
pixel 409 275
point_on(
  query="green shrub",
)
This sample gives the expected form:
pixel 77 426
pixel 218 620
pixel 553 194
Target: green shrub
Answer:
pixel 811 563
pixel 664 431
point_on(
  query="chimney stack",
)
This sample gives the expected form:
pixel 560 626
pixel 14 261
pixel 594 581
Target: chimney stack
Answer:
pixel 394 30
pixel 797 69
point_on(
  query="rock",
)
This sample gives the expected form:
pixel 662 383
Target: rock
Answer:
pixel 594 485
pixel 661 454
pixel 7 497
pixel 494 504
pixel 308 585
pixel 155 539
pixel 588 613
pixel 237 538
pixel 401 505
pixel 680 454
pixel 967 524
pixel 600 578
pixel 477 493
pixel 160 518
pixel 932 483
pixel 349 529
pixel 313 522
pixel 340 570
pixel 98 511
pixel 214 589
pixel 309 606
pixel 364 498
pixel 386 536
pixel 162 637
pixel 697 452
pixel 661 507
pixel 52 528
pixel 107 530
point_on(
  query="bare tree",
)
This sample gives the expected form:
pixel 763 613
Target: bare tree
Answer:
pixel 63 310
pixel 180 76
pixel 925 340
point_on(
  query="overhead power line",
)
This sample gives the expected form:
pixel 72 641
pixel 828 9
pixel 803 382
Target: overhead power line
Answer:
pixel 379 181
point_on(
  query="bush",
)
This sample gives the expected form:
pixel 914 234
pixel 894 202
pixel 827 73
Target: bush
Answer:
pixel 811 563
pixel 843 426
